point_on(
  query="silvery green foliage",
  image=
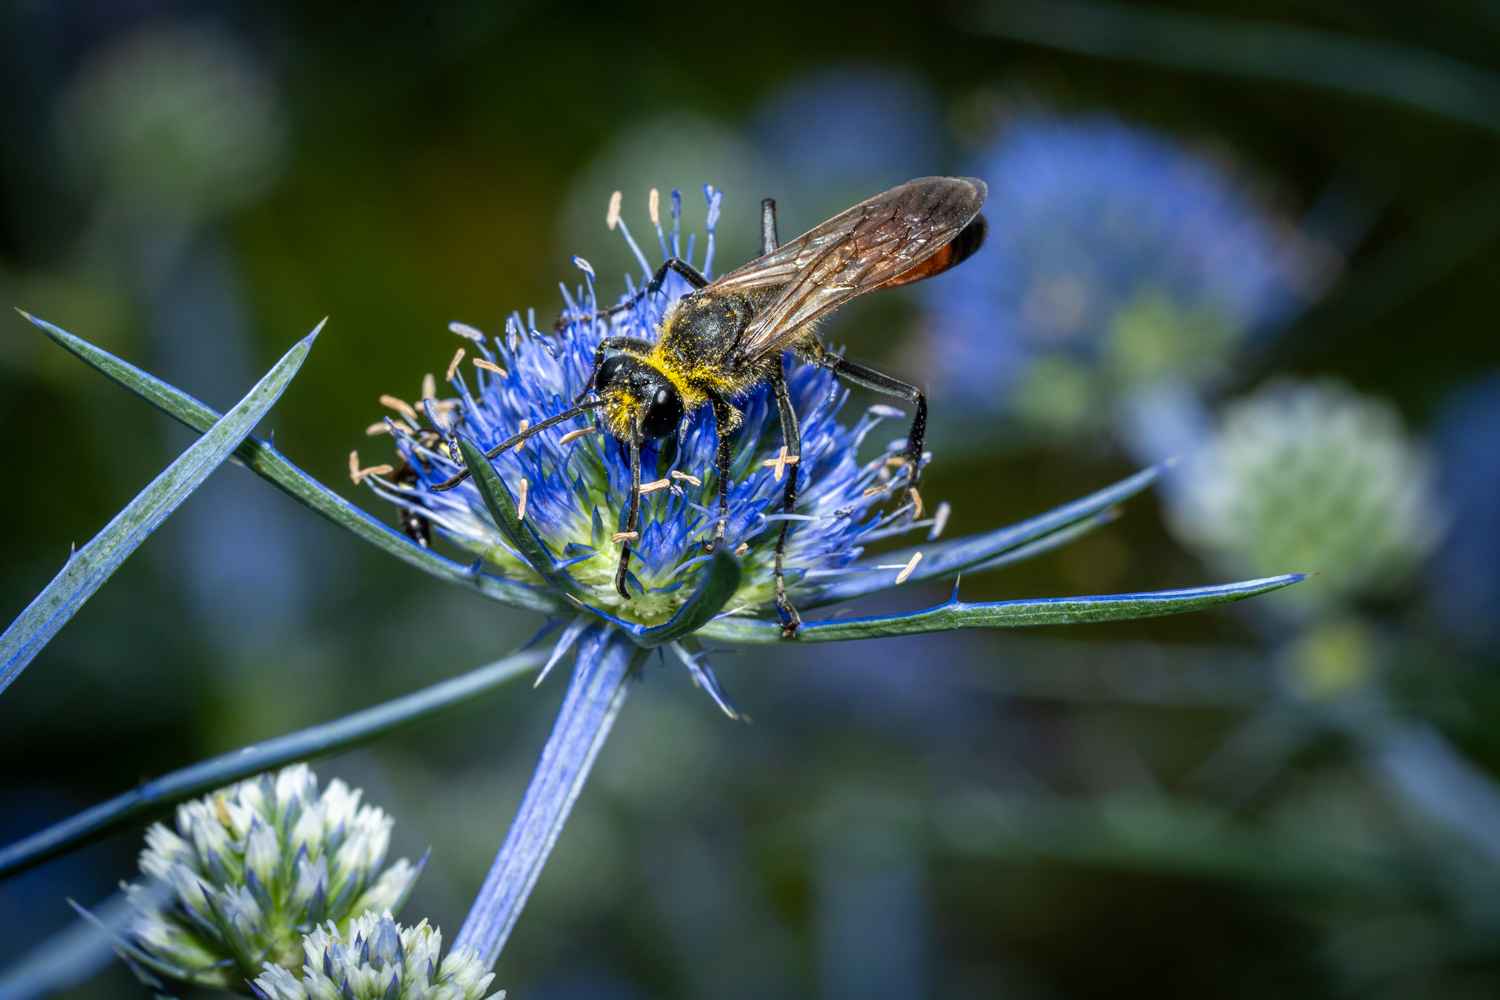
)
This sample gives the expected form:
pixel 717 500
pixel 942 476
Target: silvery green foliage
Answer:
pixel 1316 477
pixel 380 961
pixel 254 867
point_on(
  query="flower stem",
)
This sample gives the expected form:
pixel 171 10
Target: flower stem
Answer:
pixel 595 695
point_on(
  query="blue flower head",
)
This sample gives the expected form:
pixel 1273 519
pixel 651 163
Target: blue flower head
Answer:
pixel 1116 259
pixel 571 485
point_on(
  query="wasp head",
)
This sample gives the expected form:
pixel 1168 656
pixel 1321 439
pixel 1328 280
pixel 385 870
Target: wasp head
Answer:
pixel 639 402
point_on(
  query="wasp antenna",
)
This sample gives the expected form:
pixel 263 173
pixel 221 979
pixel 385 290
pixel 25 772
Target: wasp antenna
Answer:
pixel 516 440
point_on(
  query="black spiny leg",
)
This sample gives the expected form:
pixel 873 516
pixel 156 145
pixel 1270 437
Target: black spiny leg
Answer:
pixel 790 620
pixel 632 519
pixel 871 379
pixel 725 424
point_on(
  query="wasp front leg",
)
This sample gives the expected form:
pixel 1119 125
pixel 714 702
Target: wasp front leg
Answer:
pixel 791 464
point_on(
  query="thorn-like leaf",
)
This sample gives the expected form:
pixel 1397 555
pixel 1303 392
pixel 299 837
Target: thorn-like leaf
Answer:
pixel 265 461
pixel 1002 614
pixel 159 795
pixel 981 551
pixel 90 566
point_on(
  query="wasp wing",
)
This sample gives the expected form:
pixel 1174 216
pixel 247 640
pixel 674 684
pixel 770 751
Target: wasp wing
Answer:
pixel 882 241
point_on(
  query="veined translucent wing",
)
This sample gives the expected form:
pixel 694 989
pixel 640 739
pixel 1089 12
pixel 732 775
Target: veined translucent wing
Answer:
pixel 891 239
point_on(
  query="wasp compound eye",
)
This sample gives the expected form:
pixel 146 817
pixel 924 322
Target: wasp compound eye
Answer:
pixel 663 413
pixel 609 370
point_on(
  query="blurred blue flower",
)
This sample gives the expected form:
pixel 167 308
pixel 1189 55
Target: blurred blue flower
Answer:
pixel 1466 570
pixel 573 485
pixel 1118 260
pixel 840 133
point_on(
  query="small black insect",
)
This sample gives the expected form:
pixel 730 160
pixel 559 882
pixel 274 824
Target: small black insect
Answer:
pixel 727 336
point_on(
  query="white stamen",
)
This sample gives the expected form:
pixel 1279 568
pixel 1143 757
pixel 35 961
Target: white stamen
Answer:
pixel 572 436
pixel 357 474
pixel 683 475
pixel 521 504
pixel 453 365
pixel 742 549
pixel 519 430
pixel 377 429
pixel 625 536
pixel 659 484
pixel 939 520
pixel 466 331
pixel 655 204
pixel 490 366
pixel 613 215
pixel 429 387
pixel 875 489
pixel 916 557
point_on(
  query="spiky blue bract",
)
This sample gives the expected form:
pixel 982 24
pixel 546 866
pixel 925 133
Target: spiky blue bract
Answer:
pixel 576 493
pixel 1116 257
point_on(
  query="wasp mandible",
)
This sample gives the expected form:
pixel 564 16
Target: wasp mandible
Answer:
pixel 727 336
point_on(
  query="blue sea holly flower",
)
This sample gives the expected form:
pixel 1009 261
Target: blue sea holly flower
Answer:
pixel 571 485
pixel 252 868
pixel 1117 260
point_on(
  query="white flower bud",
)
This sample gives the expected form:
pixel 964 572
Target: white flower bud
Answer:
pixel 1311 477
pixel 248 870
pixel 377 959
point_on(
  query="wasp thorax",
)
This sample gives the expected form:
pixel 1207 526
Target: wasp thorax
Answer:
pixel 638 399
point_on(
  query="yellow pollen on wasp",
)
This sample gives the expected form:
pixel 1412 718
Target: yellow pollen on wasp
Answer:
pixel 683 475
pixel 625 536
pixel 874 490
pixel 655 203
pixel 572 436
pixel 521 504
pixel 613 215
pixel 458 356
pixel 490 366
pixel 521 430
pixel 400 406
pixel 659 484
pixel 906 571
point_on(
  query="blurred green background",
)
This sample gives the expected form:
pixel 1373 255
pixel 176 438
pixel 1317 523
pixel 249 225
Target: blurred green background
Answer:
pixel 1052 814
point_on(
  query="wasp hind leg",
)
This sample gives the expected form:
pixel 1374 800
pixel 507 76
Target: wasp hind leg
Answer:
pixel 871 379
pixel 792 436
